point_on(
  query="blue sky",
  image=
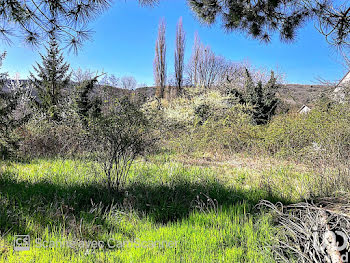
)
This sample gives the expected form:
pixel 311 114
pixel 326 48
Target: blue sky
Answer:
pixel 123 44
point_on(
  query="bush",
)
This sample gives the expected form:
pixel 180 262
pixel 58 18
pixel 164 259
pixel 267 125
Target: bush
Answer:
pixel 324 131
pixel 43 138
pixel 116 138
pixel 232 131
pixel 219 127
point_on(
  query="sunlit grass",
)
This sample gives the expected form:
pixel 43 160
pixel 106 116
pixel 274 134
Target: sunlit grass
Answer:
pixel 163 200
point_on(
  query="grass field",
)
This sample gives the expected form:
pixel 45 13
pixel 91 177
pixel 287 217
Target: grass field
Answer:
pixel 209 211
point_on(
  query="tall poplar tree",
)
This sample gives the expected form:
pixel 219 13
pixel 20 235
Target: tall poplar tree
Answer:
pixel 159 63
pixel 179 56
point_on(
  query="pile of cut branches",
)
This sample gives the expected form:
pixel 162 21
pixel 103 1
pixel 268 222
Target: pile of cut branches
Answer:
pixel 312 231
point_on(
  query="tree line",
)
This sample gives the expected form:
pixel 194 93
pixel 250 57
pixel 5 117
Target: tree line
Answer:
pixel 206 70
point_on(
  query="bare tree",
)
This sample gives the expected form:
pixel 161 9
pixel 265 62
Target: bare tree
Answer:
pixel 128 82
pixel 206 69
pixel 159 64
pixel 79 75
pixel 210 67
pixel 232 75
pixel 142 85
pixel 110 80
pixel 192 68
pixel 179 56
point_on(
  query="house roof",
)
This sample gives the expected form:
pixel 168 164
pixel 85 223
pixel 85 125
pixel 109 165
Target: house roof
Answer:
pixel 345 78
pixel 304 109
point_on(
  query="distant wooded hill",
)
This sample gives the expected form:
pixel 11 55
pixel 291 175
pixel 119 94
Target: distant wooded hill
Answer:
pixel 298 94
pixel 293 94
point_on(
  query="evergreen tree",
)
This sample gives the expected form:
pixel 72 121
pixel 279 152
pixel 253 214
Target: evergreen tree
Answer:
pixel 263 18
pixel 270 100
pixel 52 78
pixel 262 98
pixel 88 104
pixel 37 19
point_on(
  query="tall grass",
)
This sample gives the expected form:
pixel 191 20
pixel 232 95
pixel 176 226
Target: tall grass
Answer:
pixel 208 211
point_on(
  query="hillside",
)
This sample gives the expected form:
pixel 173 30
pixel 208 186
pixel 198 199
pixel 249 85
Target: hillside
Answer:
pixel 293 94
pixel 299 94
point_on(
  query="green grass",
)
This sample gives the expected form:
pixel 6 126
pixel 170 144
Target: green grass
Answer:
pixel 58 200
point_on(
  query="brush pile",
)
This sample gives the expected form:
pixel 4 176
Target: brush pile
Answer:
pixel 315 231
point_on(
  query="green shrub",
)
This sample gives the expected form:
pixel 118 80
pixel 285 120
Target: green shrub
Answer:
pixel 324 131
pixel 287 134
pixel 232 131
pixel 116 138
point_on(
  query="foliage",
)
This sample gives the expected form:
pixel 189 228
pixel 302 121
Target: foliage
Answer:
pixel 117 137
pixel 47 139
pixel 52 80
pixel 12 97
pixel 211 122
pixel 260 19
pixel 262 98
pixel 231 132
pixel 88 104
pixel 296 134
pixel 208 122
pixel 38 20
pixel 202 111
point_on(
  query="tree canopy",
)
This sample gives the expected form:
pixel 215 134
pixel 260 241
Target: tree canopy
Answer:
pixel 262 18
pixel 36 20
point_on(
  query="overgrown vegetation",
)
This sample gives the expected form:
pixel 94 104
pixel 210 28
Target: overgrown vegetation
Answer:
pixel 79 162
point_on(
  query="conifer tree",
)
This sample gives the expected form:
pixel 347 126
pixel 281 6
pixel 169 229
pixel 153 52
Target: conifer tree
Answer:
pixel 87 104
pixel 262 98
pixel 261 19
pixel 53 77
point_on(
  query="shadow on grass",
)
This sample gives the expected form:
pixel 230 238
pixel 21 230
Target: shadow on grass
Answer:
pixel 49 204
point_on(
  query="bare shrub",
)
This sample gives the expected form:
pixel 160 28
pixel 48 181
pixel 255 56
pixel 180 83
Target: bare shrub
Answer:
pixel 128 82
pixel 116 138
pixel 41 138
